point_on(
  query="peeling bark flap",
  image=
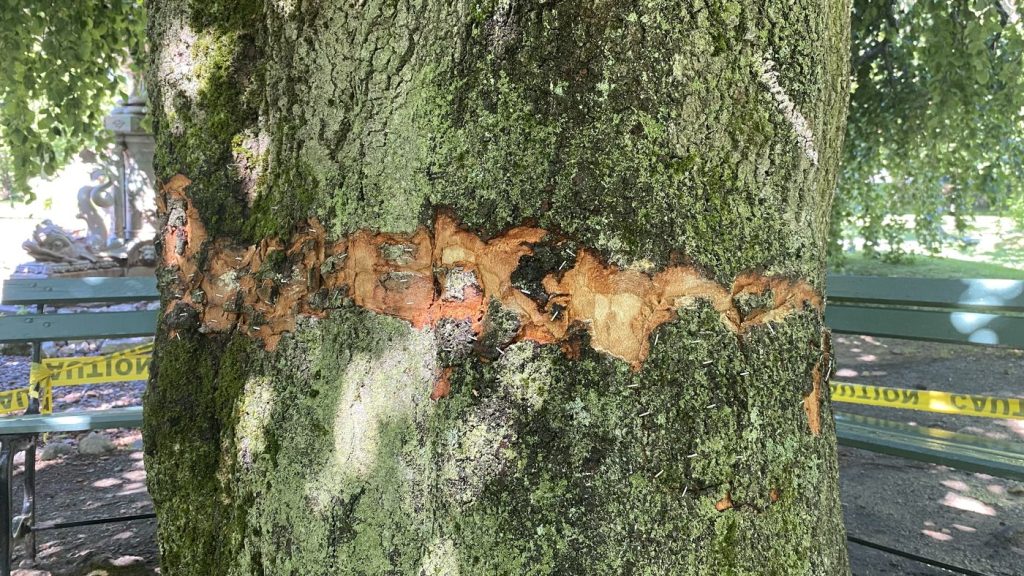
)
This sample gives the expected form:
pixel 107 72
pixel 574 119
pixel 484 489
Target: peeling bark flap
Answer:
pixel 447 273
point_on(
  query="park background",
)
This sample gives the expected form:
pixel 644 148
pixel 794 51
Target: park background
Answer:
pixel 961 518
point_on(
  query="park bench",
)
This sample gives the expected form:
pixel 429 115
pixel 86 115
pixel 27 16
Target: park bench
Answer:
pixel 970 312
pixel 977 312
pixel 19 433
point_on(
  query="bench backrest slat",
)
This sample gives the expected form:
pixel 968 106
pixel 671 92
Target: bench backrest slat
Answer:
pixel 979 295
pixel 47 327
pixel 63 291
pixel 924 444
pixel 935 326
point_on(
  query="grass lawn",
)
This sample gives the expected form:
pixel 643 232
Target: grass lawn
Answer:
pixel 919 266
pixel 998 252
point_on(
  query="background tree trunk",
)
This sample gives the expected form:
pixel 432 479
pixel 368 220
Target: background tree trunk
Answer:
pixel 495 287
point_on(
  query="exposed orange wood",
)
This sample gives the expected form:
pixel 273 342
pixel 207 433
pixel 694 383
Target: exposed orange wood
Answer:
pixel 443 385
pixel 812 402
pixel 399 275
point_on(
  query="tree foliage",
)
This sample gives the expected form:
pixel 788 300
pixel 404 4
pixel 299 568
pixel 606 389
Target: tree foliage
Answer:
pixel 64 62
pixel 935 125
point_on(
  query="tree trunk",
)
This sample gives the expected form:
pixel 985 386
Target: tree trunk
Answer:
pixel 495 287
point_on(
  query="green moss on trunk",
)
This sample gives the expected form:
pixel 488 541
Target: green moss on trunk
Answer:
pixel 652 131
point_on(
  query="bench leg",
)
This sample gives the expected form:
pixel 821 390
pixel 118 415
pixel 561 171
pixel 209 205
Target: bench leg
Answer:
pixel 28 505
pixel 6 471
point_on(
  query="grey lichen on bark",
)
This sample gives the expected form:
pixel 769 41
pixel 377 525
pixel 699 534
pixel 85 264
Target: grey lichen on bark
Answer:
pixel 653 133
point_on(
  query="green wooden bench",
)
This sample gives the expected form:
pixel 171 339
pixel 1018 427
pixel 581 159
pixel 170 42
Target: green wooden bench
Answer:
pixel 977 312
pixel 970 312
pixel 44 323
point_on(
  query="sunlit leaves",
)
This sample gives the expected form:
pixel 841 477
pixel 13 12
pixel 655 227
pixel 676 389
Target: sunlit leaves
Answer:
pixel 935 122
pixel 64 62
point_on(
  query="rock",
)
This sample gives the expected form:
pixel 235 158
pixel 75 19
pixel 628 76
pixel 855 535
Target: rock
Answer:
pixel 54 450
pixel 95 444
pixel 72 398
pixel 50 349
pixel 1012 536
pixel 122 561
pixel 1016 490
pixel 136 446
pixel 121 565
pixel 111 346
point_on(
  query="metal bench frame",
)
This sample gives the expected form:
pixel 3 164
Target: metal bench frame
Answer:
pixel 20 433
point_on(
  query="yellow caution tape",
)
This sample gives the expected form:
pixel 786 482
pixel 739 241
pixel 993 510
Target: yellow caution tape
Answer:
pixel 123 366
pixel 929 401
pixel 14 400
pixel 18 400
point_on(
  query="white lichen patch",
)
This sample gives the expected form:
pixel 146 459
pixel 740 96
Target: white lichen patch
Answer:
pixel 254 409
pixel 401 254
pixel 522 376
pixel 174 62
pixel 770 78
pixel 284 7
pixel 478 452
pixel 377 389
pixel 440 559
pixel 455 283
pixel 229 280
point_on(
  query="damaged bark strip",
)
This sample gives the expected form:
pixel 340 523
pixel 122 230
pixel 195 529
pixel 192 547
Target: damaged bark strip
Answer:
pixel 446 273
pixel 819 375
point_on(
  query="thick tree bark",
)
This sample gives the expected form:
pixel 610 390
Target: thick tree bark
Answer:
pixel 495 287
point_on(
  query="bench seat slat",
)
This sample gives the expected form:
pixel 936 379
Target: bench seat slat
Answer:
pixel 63 291
pixel 935 326
pixel 1003 459
pixel 979 295
pixel 48 327
pixel 75 421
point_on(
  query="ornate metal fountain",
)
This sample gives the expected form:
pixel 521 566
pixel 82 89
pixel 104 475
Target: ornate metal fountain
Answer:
pixel 117 207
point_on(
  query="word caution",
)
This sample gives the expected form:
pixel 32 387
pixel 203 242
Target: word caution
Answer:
pixel 123 366
pixel 929 401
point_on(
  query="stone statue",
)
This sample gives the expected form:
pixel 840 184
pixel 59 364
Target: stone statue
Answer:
pixel 51 243
pixel 94 202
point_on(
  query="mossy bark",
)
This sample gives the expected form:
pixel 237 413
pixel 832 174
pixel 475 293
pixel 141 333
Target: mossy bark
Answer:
pixel 651 133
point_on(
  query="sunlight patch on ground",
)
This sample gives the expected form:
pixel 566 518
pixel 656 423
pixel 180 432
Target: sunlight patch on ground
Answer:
pixel 967 504
pixel 940 536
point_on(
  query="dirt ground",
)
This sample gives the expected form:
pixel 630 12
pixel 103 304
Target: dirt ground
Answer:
pixel 965 519
pixel 77 486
